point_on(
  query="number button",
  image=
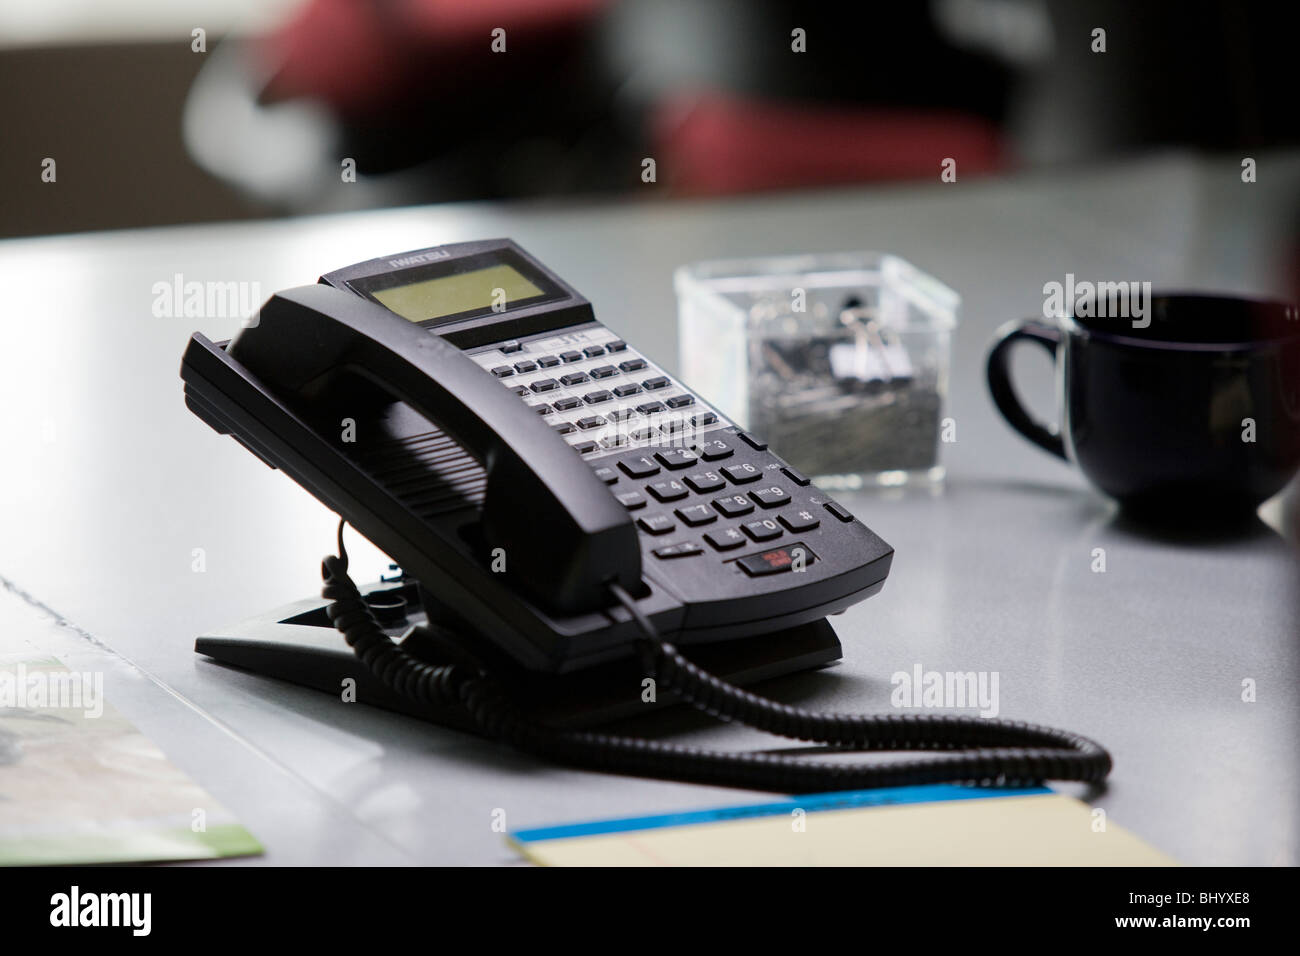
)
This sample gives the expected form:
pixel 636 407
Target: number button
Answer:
pixel 724 539
pixel 733 506
pixel 713 450
pixel 668 490
pixel 706 481
pixel 676 458
pixel 772 497
pixel 639 467
pixel 800 520
pixel 696 515
pixel 765 529
pixel 743 473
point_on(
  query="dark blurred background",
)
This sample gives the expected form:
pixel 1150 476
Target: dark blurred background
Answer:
pixel 146 129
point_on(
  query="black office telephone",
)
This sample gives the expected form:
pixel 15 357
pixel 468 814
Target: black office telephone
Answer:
pixel 561 505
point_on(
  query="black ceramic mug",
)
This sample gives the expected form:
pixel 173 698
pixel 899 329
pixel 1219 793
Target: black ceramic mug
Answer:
pixel 1194 409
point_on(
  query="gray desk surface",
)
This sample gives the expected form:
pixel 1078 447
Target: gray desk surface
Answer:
pixel 109 484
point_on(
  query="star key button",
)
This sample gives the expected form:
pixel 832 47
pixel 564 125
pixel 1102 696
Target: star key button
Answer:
pixel 724 539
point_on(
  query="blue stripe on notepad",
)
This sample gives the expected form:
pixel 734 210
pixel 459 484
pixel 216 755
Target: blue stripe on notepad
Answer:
pixel 845 800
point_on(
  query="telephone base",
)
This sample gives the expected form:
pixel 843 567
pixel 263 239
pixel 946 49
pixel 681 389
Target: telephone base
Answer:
pixel 296 643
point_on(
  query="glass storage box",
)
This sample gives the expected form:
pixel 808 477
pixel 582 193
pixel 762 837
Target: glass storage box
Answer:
pixel 840 360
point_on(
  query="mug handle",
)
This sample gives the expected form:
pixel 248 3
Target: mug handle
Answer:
pixel 1004 393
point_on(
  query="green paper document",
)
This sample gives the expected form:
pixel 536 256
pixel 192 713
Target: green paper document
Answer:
pixel 78 782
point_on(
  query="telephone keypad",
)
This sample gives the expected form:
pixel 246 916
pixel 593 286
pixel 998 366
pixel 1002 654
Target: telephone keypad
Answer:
pixel 650 425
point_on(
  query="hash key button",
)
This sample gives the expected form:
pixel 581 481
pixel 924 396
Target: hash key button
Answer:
pixel 696 515
pixel 772 497
pixel 802 520
pixel 743 472
pixel 765 529
pixel 724 539
pixel 668 490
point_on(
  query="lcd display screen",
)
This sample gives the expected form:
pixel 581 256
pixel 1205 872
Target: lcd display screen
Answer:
pixel 496 287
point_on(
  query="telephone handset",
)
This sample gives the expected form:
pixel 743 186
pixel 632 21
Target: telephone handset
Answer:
pixel 567 502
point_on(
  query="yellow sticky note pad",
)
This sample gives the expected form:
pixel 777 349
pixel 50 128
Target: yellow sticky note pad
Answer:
pixel 939 825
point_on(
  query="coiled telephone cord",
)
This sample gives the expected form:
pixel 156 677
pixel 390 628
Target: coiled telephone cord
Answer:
pixel 977 751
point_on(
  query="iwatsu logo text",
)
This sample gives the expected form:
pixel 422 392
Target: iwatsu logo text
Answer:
pixel 193 299
pixel 1098 300
pixel 933 690
pixel 58 689
pixel 75 908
